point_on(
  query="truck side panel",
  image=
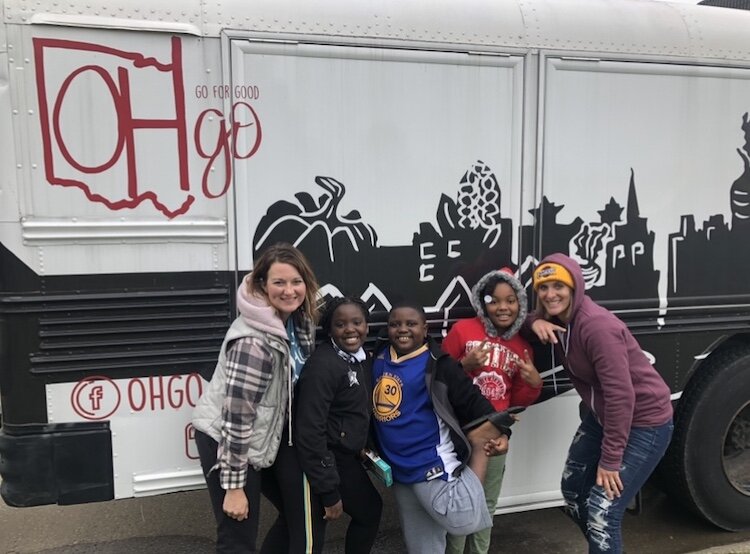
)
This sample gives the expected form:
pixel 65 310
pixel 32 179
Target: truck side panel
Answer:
pixel 645 181
pixel 120 155
pixel 117 282
pixel 388 158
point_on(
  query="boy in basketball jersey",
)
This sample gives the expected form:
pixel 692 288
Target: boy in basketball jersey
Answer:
pixel 421 400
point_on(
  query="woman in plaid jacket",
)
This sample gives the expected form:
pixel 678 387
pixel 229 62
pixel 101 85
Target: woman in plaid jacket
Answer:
pixel 243 420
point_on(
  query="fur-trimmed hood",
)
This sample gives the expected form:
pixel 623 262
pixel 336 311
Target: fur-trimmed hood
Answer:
pixel 503 275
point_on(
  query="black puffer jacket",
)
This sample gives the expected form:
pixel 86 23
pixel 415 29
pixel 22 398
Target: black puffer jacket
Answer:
pixel 333 401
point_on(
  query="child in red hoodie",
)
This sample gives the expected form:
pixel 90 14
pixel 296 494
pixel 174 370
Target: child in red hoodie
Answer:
pixel 492 352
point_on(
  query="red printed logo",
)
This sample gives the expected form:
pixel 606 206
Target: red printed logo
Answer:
pixel 123 147
pixel 98 397
pixel 191 449
pixel 95 398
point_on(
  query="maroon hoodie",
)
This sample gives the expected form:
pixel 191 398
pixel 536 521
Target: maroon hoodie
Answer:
pixel 609 370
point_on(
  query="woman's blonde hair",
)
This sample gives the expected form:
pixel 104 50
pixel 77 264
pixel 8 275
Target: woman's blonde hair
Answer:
pixel 285 253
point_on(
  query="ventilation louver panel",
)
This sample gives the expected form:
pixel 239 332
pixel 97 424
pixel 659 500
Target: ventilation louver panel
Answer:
pixel 106 332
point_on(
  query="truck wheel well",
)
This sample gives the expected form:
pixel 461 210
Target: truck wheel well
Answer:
pixel 704 464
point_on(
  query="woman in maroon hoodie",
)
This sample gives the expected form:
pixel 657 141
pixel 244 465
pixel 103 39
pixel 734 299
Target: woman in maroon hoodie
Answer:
pixel 629 420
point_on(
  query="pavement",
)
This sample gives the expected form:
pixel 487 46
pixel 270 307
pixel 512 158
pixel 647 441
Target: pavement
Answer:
pixel 390 546
pixel 737 548
pixel 389 543
pixel 182 524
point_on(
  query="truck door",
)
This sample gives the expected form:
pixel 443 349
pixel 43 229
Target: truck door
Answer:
pixel 396 171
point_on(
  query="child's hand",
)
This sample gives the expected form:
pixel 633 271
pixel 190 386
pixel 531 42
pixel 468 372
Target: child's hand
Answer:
pixel 333 512
pixel 496 447
pixel 529 372
pixel 545 330
pixel 479 357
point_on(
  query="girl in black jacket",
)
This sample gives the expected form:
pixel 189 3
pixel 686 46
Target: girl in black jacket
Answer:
pixel 332 422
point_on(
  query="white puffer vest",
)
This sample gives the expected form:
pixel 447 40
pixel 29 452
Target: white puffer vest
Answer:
pixel 267 426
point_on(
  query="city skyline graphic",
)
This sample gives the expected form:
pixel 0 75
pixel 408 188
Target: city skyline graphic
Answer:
pixel 471 237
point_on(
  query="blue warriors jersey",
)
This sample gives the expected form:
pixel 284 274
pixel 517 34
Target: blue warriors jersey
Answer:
pixel 412 438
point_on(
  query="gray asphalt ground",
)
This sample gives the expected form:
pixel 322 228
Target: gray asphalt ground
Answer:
pixel 182 523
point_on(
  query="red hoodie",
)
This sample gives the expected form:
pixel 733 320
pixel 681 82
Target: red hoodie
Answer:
pixel 500 380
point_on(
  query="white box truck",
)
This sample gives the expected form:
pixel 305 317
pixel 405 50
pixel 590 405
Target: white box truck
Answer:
pixel 149 150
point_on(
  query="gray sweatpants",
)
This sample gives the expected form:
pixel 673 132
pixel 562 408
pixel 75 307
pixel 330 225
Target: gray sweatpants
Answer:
pixel 429 509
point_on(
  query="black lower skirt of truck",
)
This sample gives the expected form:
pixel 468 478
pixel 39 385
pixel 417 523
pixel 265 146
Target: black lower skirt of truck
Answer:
pixel 68 463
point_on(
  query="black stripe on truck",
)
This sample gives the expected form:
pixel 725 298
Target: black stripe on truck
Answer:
pixel 64 328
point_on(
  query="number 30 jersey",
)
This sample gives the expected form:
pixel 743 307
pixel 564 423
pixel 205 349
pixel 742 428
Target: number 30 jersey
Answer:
pixel 412 437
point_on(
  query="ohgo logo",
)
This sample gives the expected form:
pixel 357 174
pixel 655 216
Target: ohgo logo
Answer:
pixel 95 398
pixel 115 159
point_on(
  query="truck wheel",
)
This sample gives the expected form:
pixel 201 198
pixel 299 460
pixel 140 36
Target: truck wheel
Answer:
pixel 708 461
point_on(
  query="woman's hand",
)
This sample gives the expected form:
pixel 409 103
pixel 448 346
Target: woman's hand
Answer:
pixel 478 357
pixel 528 371
pixel 333 512
pixel 545 330
pixel 609 481
pixel 235 504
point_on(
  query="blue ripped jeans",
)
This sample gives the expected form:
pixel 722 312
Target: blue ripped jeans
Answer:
pixel 599 518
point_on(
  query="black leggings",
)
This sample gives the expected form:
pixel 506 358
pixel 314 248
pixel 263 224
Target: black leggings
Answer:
pixel 300 527
pixel 232 536
pixel 361 501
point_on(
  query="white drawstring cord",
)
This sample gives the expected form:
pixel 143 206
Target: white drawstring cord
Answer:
pixel 290 372
pixel 554 365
